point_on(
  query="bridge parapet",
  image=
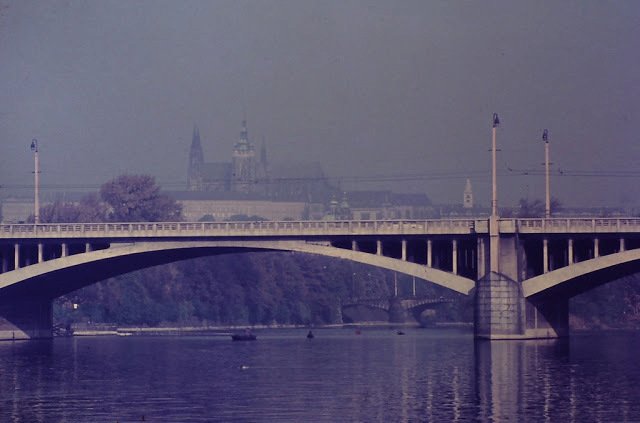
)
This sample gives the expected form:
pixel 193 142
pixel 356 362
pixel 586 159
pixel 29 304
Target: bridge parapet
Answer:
pixel 575 225
pixel 265 228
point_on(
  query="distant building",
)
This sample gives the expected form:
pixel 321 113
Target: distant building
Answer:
pixel 251 174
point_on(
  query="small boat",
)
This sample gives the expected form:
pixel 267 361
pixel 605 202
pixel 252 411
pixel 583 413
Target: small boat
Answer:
pixel 247 336
pixel 400 332
pixel 310 335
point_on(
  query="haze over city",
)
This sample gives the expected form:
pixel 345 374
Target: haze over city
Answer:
pixel 373 90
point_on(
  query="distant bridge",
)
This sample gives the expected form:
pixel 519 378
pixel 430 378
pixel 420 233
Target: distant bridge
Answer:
pixel 414 305
pixel 521 271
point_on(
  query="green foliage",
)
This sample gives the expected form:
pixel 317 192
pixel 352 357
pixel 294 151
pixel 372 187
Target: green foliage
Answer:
pixel 245 218
pixel 137 198
pixel 535 208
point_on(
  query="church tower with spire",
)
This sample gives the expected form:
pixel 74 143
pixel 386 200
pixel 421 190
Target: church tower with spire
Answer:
pixel 196 162
pixel 243 164
pixel 467 200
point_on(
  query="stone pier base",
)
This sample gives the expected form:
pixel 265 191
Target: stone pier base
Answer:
pixel 502 312
pixel 26 319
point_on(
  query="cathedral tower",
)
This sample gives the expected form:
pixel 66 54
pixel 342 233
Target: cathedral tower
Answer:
pixel 467 201
pixel 196 161
pixel 244 164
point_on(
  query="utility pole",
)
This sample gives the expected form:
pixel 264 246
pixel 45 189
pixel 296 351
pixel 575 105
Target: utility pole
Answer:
pixel 36 172
pixel 547 204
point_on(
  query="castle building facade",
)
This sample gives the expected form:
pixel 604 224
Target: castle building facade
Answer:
pixel 250 175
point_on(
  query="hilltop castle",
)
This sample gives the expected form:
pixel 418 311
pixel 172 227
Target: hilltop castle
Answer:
pixel 250 175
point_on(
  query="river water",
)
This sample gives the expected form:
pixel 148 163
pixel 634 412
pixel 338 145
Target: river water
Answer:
pixel 339 376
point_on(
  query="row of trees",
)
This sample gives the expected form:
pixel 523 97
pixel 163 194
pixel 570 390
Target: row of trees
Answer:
pixel 127 198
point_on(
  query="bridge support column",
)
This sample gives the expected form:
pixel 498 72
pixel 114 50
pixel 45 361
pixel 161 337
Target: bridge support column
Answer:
pixel 379 247
pixel 429 253
pixel 397 313
pixel 26 318
pixel 65 249
pixel 87 248
pixel 5 263
pixel 596 248
pixel 16 256
pixel 545 255
pixel 40 252
pixel 454 258
pixel 570 259
pixel 622 246
pixel 404 250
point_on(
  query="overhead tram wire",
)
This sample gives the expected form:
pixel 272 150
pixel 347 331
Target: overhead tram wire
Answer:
pixel 405 177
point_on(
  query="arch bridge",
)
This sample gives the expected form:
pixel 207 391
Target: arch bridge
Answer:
pixel 521 271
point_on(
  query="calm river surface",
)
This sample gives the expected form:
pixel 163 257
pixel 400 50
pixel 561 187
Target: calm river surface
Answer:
pixel 378 376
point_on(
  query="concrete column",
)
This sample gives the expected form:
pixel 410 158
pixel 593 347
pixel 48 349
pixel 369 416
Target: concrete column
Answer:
pixel 429 253
pixel 404 250
pixel 354 245
pixel 494 245
pixel 5 263
pixel 482 267
pixel 454 258
pixel 570 251
pixel 596 248
pixel 16 256
pixel 87 248
pixel 622 246
pixel 65 249
pixel 545 255
pixel 40 252
pixel 379 247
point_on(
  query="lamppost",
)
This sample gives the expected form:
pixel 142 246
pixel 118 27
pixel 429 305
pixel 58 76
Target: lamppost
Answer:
pixel 494 231
pixel 547 204
pixel 494 179
pixel 36 172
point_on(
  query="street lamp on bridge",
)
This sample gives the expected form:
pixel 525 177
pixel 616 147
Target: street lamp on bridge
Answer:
pixel 494 179
pixel 36 172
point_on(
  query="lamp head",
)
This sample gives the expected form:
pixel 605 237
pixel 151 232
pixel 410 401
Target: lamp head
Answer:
pixel 496 121
pixel 34 145
pixel 545 136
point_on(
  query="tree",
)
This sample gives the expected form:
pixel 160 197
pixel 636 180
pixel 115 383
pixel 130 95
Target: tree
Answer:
pixel 535 208
pixel 137 198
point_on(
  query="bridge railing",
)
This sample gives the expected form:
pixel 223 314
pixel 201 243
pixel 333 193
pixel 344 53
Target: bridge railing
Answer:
pixel 316 227
pixel 578 225
pixel 258 228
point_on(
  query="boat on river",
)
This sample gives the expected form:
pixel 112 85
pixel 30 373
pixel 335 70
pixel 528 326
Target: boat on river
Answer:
pixel 246 336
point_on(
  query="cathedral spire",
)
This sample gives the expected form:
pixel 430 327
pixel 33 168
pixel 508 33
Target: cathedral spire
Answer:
pixel 244 134
pixel 196 160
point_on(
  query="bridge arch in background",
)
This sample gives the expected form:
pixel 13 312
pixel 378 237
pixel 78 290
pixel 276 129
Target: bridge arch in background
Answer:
pixel 51 279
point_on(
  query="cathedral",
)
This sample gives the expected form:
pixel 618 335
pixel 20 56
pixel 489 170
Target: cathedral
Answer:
pixel 250 175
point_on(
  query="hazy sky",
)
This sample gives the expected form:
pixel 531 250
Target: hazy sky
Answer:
pixel 368 88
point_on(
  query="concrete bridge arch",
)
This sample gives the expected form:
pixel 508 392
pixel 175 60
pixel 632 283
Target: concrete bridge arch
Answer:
pixel 580 277
pixel 51 279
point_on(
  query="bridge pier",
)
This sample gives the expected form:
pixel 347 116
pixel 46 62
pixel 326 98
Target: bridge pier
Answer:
pixel 26 319
pixel 501 309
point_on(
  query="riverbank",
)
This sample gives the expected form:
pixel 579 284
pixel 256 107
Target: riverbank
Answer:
pixel 220 330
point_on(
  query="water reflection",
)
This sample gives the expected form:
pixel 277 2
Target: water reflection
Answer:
pixel 427 375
